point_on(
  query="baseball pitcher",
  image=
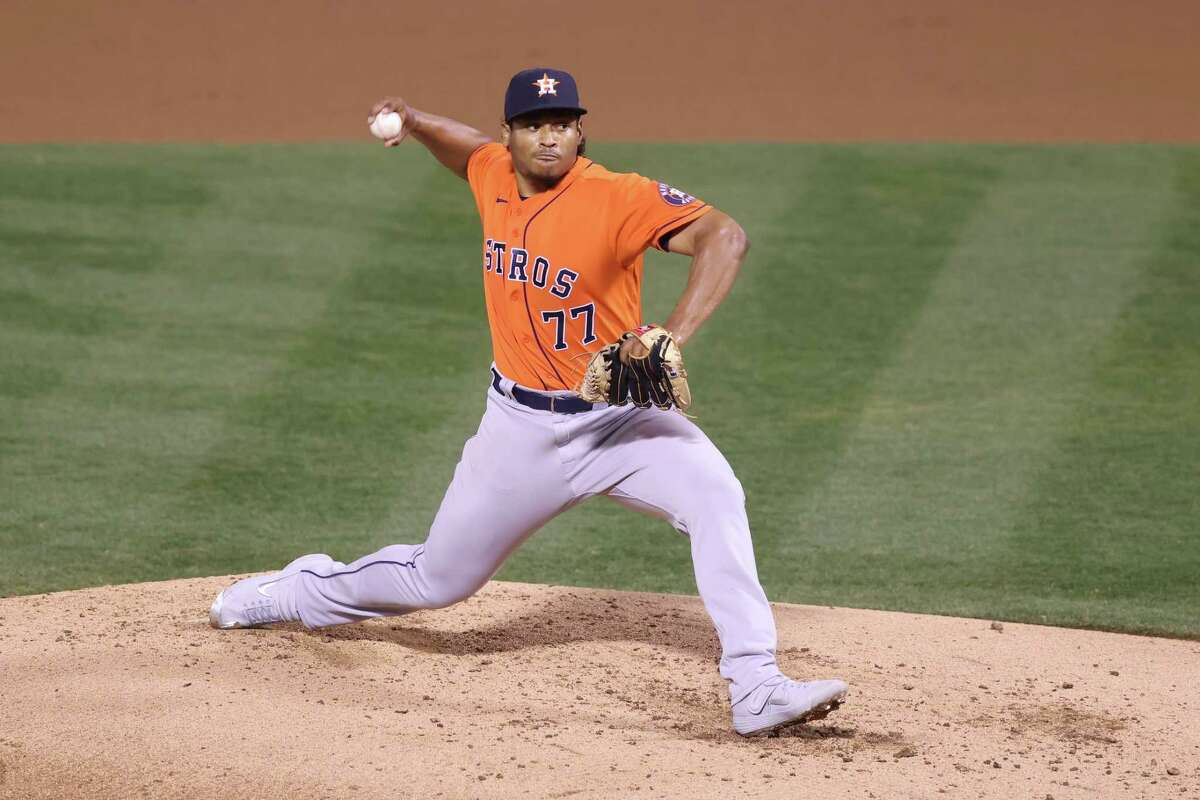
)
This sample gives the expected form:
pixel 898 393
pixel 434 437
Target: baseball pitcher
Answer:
pixel 584 399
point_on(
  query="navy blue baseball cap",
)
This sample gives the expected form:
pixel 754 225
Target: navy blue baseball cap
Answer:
pixel 540 89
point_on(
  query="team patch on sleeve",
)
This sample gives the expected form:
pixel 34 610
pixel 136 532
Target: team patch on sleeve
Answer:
pixel 672 196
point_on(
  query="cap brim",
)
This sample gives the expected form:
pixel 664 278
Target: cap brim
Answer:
pixel 576 109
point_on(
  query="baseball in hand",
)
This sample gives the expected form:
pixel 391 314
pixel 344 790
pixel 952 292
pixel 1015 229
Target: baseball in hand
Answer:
pixel 387 126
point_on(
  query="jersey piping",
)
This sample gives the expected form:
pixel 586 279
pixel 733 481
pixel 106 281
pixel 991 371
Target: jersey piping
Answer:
pixel 669 228
pixel 525 286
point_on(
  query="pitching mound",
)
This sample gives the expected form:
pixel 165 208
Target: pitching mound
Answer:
pixel 125 691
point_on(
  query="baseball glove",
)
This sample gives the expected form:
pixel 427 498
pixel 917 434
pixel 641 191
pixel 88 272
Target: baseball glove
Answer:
pixel 655 378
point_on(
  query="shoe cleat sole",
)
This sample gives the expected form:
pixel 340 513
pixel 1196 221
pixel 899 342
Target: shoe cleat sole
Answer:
pixel 812 715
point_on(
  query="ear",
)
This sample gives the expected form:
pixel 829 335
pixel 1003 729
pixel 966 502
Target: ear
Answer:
pixel 504 133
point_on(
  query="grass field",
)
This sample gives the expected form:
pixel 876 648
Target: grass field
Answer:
pixel 952 379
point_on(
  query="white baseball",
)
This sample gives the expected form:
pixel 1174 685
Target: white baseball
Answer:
pixel 387 126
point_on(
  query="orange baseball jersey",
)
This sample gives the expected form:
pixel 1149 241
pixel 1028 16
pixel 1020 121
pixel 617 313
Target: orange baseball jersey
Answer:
pixel 562 270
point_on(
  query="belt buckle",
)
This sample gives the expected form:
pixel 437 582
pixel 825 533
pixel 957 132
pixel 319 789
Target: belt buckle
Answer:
pixel 552 399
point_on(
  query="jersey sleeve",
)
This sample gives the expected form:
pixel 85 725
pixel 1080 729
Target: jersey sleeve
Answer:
pixel 481 166
pixel 651 210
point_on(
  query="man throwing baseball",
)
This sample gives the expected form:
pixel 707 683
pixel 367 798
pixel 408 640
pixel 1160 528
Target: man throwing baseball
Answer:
pixel 584 399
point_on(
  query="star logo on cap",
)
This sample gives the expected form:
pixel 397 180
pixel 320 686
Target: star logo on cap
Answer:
pixel 545 85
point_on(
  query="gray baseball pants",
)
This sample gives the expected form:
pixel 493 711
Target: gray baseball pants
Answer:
pixel 523 468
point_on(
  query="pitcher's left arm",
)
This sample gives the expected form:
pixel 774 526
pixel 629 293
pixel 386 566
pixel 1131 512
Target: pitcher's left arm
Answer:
pixel 718 246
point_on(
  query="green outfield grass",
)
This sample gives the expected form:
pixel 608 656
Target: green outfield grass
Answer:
pixel 952 379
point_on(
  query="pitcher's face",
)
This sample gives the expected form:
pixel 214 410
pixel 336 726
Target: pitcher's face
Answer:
pixel 544 144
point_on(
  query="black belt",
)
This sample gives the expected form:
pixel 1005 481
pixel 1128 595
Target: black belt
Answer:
pixel 543 402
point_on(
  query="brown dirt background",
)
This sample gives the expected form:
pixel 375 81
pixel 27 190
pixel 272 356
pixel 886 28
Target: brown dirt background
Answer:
pixel 1097 70
pixel 122 692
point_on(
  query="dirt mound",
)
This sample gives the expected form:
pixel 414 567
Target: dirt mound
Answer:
pixel 1106 70
pixel 125 691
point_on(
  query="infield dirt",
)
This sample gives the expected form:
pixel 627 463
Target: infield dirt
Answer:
pixel 122 692
pixel 1023 70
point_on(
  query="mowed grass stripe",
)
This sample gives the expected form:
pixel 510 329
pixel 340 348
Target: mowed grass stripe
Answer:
pixel 850 259
pixel 349 444
pixel 75 239
pixel 215 358
pixel 1111 530
pixel 959 427
pixel 846 243
pixel 140 369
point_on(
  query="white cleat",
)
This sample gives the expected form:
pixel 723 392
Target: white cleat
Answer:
pixel 781 702
pixel 249 602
